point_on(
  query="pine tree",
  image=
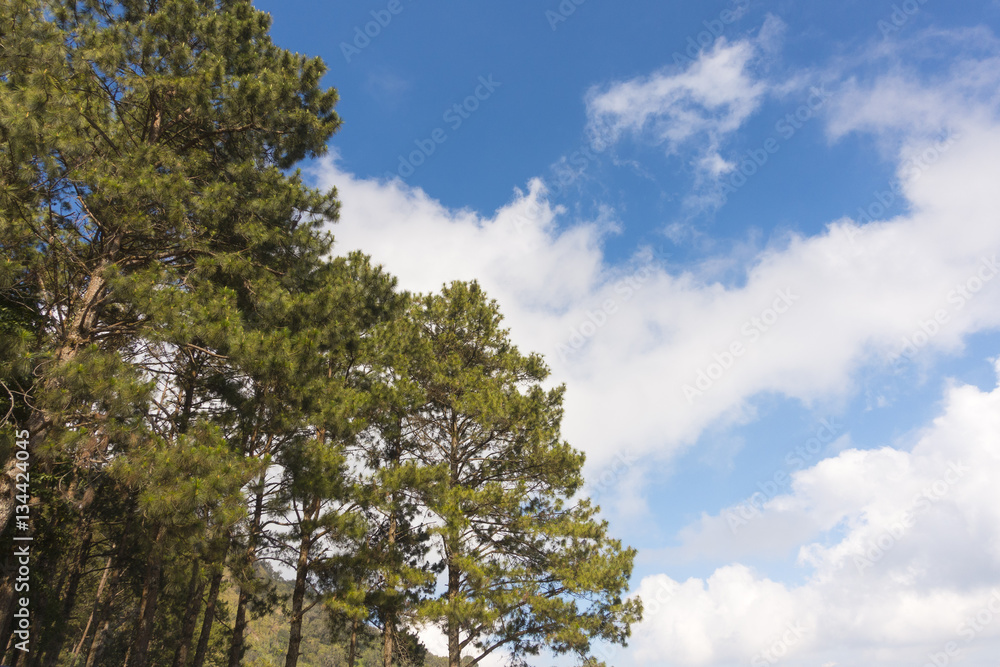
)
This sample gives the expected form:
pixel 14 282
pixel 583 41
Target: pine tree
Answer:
pixel 145 215
pixel 332 323
pixel 395 569
pixel 526 567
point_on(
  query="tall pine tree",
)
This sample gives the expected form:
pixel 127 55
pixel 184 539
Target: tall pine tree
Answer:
pixel 526 567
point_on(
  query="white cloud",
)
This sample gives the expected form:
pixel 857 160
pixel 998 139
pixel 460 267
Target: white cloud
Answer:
pixel 436 643
pixel 903 547
pixel 629 338
pixel 644 334
pixel 902 103
pixel 725 619
pixel 707 101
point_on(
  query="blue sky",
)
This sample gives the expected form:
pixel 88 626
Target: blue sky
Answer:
pixel 757 241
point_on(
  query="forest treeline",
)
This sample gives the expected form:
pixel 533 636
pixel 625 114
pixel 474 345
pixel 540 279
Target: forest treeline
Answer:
pixel 196 391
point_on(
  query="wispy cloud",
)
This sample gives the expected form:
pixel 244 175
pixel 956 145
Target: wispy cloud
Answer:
pixel 700 105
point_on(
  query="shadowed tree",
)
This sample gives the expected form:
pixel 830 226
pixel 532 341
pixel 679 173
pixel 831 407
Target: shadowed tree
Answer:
pixel 147 213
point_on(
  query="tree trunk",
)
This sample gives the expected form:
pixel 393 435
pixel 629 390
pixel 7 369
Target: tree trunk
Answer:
pixel 239 628
pixel 454 641
pixel 104 605
pixel 299 593
pixel 103 617
pixel 17 658
pixel 389 622
pixel 77 334
pixel 35 428
pixel 8 485
pixel 206 625
pixel 139 650
pixel 36 633
pixel 97 645
pixel 54 644
pixel 298 598
pixel 195 589
pixel 352 649
pixel 388 633
pixel 98 598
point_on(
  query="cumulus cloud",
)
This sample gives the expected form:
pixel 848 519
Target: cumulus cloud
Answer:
pixel 902 549
pixel 653 356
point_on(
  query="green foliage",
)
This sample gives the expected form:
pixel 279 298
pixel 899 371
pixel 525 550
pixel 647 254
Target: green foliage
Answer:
pixel 526 570
pixel 208 390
